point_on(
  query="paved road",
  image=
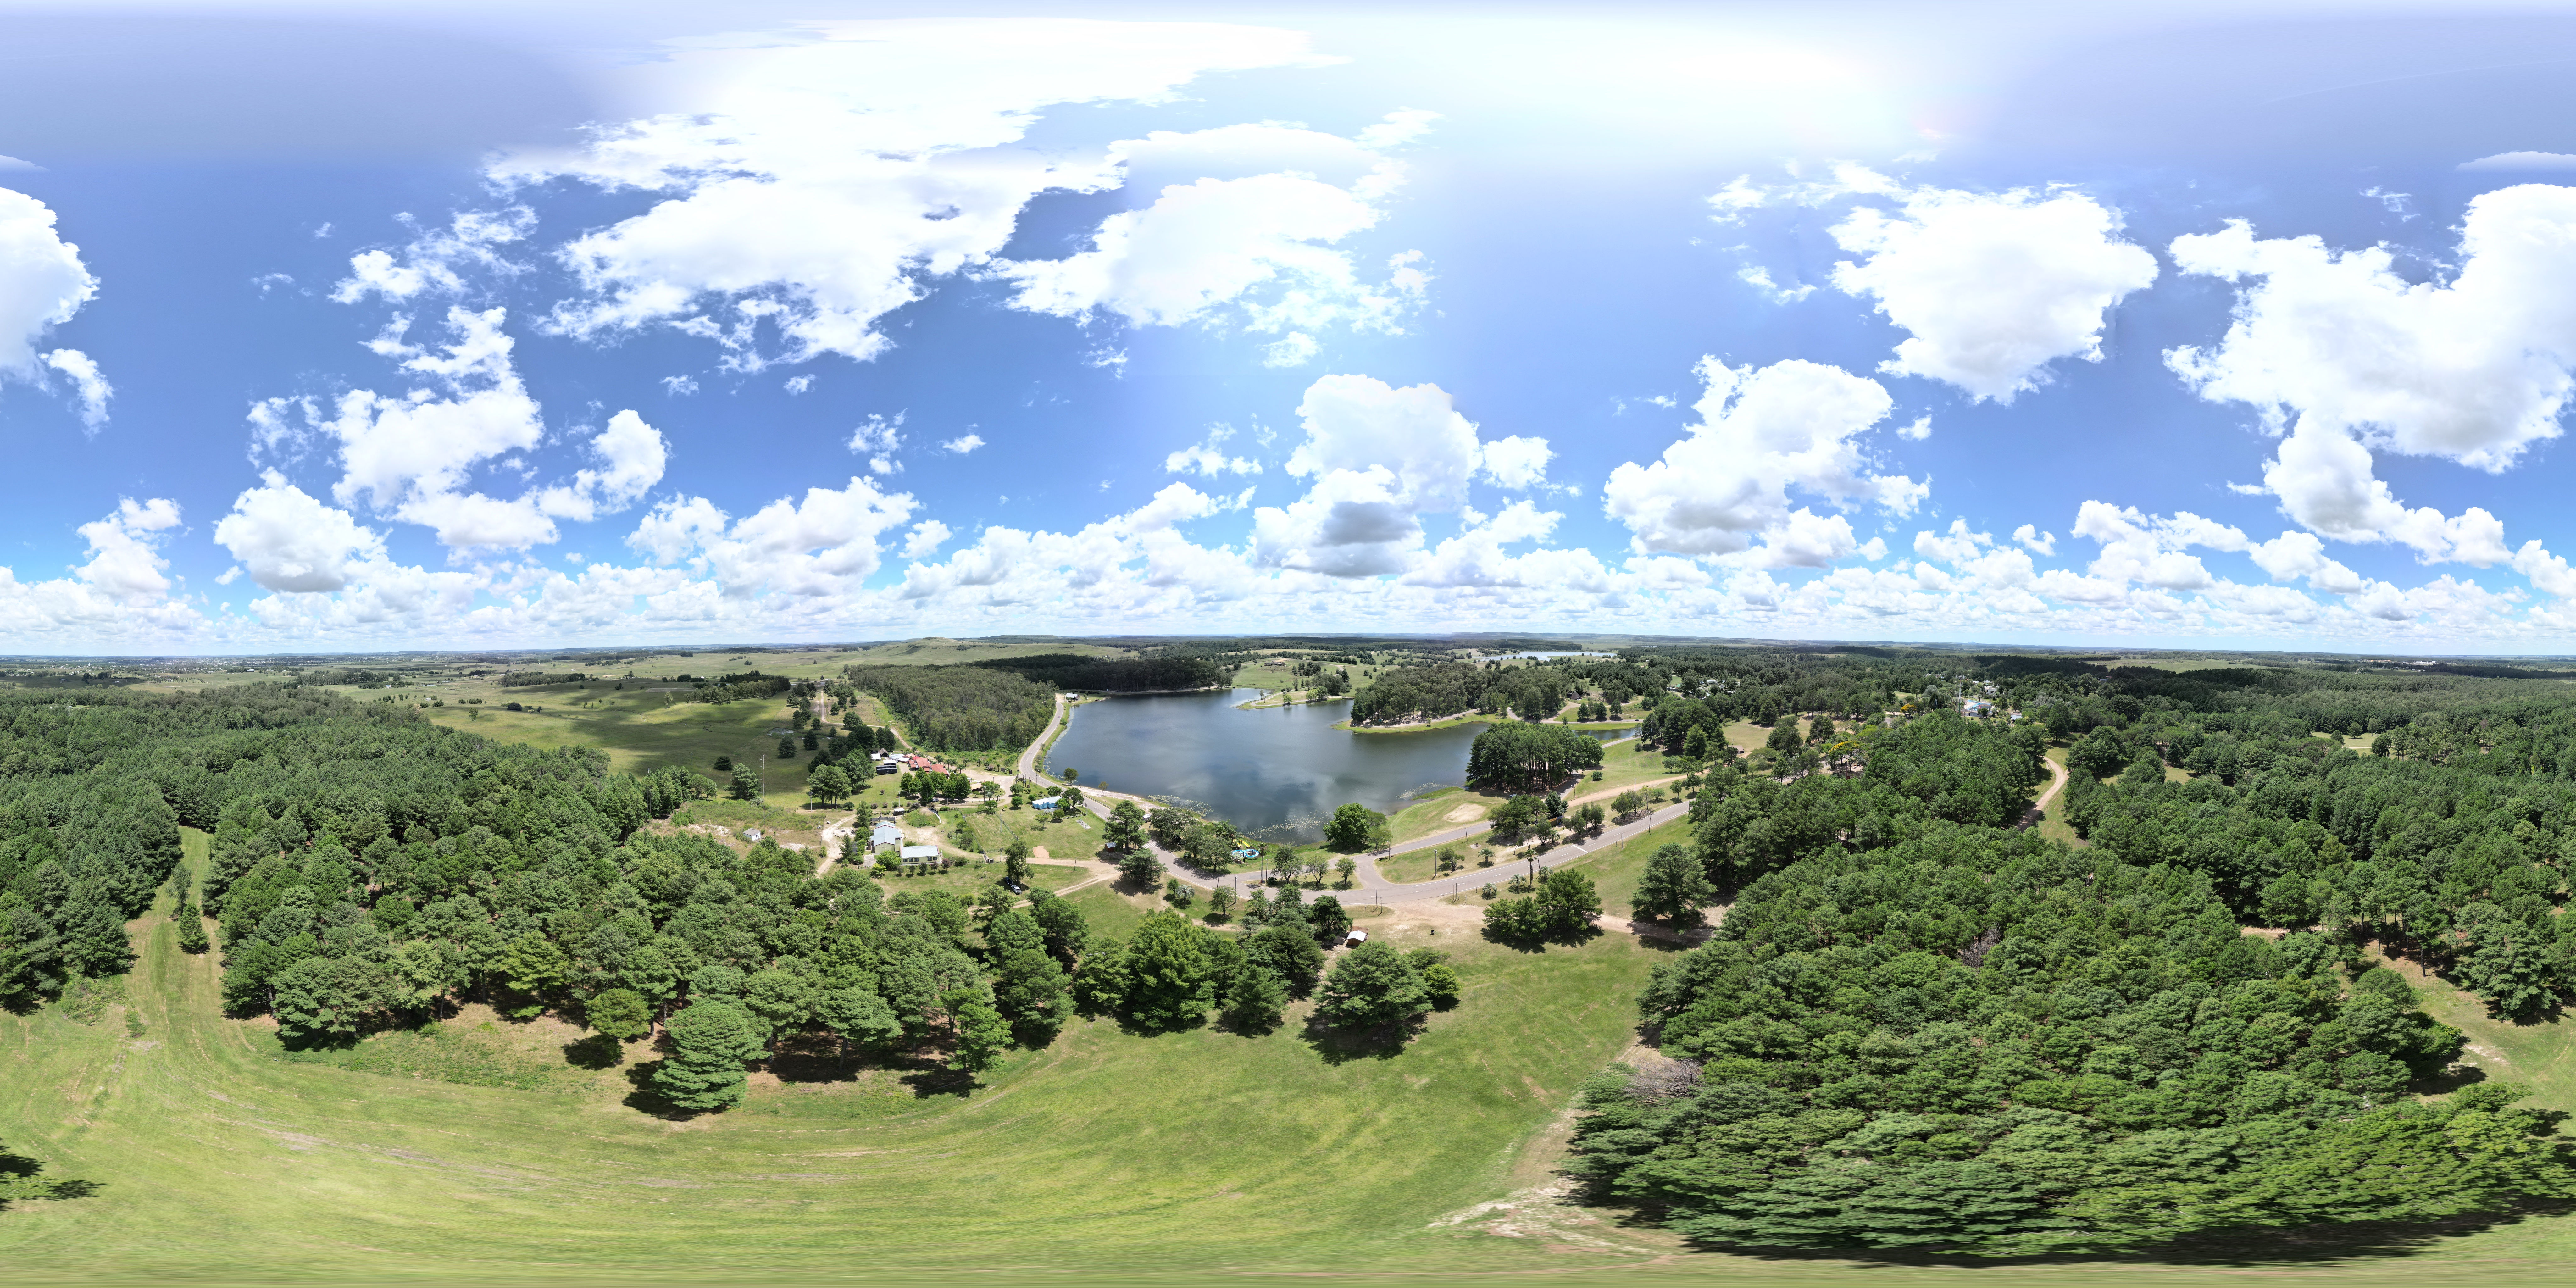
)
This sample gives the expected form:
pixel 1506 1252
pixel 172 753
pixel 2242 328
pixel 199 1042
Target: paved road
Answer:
pixel 1371 886
pixel 1029 754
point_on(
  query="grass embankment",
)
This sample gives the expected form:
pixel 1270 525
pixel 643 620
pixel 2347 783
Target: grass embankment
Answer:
pixel 2540 1055
pixel 468 1155
pixel 220 1157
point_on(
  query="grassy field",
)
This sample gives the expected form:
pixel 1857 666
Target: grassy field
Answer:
pixel 2540 1056
pixel 490 1152
pixel 1111 911
pixel 972 877
pixel 1434 812
pixel 1423 864
pixel 464 1153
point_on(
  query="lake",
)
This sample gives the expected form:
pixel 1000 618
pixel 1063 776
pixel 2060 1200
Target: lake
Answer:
pixel 1276 773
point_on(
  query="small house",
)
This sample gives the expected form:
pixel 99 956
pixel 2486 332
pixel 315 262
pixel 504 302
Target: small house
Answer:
pixel 886 834
pixel 1357 937
pixel 917 853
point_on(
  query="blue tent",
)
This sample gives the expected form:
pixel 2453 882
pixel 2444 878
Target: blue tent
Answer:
pixel 1048 803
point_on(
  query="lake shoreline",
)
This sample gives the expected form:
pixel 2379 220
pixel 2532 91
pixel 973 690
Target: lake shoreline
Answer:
pixel 1451 722
pixel 1276 772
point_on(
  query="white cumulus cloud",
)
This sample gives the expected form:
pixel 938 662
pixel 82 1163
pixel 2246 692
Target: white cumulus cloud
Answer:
pixel 1207 458
pixel 815 185
pixel 1381 457
pixel 292 542
pixel 2349 357
pixel 1246 230
pixel 42 281
pixel 437 261
pixel 823 546
pixel 1761 433
pixel 1992 286
pixel 413 456
pixel 88 384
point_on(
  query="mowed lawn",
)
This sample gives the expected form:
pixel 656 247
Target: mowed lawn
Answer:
pixel 1106 1157
pixel 218 1158
pixel 642 730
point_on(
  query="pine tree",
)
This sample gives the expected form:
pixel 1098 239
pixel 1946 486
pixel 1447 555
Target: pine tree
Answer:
pixel 1440 985
pixel 981 1037
pixel 621 1013
pixel 1170 983
pixel 1372 985
pixel 1673 888
pixel 705 1073
pixel 1125 830
pixel 1254 999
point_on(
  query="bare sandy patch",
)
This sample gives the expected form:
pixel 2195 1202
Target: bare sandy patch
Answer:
pixel 1464 814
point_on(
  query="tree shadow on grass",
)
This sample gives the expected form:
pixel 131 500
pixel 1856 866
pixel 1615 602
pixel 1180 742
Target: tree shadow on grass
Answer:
pixel 1658 937
pixel 2448 1080
pixel 1342 1046
pixel 1535 944
pixel 814 1058
pixel 596 1052
pixel 647 1098
pixel 932 1079
pixel 1248 1028
pixel 318 1042
pixel 21 1178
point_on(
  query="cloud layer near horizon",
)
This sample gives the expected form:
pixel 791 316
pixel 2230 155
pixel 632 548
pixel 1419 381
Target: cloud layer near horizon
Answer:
pixel 797 221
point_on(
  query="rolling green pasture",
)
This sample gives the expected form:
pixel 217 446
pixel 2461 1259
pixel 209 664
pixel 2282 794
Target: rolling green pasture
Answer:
pixel 463 1154
pixel 642 729
pixel 491 1152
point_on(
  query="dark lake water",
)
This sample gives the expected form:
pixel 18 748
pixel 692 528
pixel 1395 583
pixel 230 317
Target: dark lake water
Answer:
pixel 1275 773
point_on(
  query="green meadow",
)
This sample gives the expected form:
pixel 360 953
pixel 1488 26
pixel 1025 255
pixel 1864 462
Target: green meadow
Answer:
pixel 487 1151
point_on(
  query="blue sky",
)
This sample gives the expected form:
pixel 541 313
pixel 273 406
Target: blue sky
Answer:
pixel 382 326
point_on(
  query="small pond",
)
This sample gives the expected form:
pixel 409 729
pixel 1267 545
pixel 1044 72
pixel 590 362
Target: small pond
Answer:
pixel 1277 773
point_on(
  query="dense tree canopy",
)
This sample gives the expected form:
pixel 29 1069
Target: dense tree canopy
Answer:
pixel 1116 675
pixel 960 708
pixel 1516 756
pixel 1978 1040
pixel 1919 1029
pixel 369 868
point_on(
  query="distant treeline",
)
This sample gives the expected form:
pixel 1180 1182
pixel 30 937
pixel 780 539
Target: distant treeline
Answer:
pixel 960 708
pixel 528 679
pixel 1114 675
pixel 1453 688
pixel 740 685
pixel 342 675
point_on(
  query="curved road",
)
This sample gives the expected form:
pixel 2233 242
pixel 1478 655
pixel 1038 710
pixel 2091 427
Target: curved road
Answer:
pixel 2057 775
pixel 1029 754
